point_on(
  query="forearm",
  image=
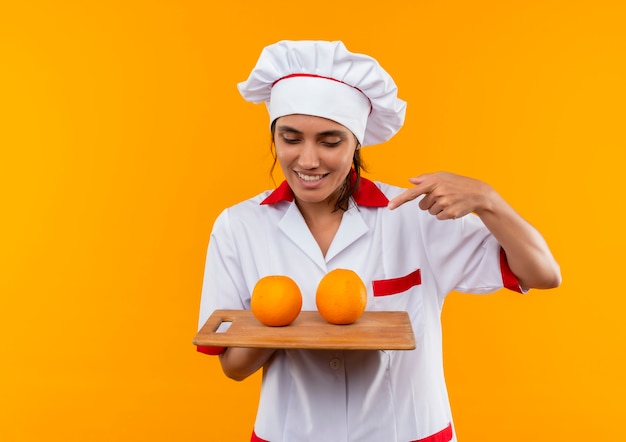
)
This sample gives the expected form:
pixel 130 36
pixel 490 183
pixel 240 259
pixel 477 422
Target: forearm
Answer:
pixel 528 254
pixel 239 363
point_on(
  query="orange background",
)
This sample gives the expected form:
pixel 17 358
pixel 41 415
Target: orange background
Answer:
pixel 122 136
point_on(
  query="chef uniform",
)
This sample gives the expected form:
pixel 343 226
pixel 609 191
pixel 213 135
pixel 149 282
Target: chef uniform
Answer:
pixel 408 259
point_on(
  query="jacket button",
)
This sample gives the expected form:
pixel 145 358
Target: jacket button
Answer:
pixel 335 364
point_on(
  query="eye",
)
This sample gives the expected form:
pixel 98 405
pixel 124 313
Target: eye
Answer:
pixel 290 140
pixel 331 142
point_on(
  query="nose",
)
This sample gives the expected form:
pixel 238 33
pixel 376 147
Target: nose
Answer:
pixel 308 158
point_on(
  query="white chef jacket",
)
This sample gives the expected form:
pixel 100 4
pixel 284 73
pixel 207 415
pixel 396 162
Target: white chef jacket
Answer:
pixel 408 259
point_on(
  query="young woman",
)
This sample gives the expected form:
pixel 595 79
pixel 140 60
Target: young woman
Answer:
pixel 410 246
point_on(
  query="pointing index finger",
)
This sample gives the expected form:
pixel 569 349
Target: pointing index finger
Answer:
pixel 408 194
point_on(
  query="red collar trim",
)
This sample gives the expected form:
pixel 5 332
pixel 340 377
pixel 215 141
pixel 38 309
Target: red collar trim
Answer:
pixel 366 195
pixel 282 193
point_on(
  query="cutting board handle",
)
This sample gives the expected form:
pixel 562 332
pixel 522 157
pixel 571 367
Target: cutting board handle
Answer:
pixel 220 321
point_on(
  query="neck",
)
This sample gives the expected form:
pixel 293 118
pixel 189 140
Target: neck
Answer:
pixel 323 221
pixel 317 212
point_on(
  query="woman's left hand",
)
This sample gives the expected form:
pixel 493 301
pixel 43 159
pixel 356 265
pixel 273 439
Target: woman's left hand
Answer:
pixel 446 195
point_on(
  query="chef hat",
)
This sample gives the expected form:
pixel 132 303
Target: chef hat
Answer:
pixel 324 79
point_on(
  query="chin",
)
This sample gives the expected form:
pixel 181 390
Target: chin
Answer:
pixel 311 199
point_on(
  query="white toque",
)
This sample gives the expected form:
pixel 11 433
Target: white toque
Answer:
pixel 324 79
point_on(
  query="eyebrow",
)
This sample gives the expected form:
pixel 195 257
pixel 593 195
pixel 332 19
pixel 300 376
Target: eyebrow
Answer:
pixel 326 133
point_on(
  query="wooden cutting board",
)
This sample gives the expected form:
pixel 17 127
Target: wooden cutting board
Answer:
pixel 372 331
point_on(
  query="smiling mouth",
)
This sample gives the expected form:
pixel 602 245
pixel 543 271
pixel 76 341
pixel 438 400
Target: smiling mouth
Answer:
pixel 310 178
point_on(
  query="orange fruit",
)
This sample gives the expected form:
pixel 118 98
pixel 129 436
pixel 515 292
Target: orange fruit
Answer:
pixel 341 296
pixel 276 300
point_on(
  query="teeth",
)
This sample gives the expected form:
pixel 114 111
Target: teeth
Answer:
pixel 310 178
